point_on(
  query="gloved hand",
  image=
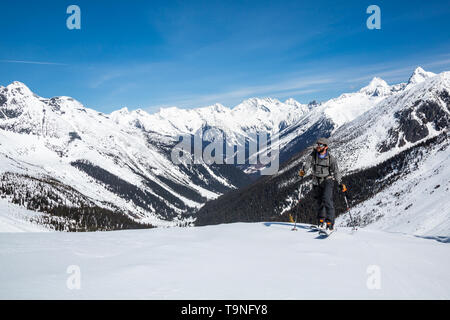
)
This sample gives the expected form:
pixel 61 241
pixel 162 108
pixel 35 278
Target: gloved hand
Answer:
pixel 301 173
pixel 343 187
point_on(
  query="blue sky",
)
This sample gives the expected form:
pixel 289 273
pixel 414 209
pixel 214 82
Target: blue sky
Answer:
pixel 151 54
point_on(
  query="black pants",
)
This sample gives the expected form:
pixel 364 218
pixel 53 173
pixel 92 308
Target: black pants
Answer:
pixel 324 196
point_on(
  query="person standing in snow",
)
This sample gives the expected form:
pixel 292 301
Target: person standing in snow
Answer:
pixel 325 171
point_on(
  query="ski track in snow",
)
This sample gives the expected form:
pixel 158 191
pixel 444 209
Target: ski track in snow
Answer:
pixel 230 261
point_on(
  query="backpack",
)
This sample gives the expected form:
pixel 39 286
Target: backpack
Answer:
pixel 322 167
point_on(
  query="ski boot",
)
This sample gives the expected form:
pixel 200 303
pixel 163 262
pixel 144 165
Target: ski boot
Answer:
pixel 321 225
pixel 329 228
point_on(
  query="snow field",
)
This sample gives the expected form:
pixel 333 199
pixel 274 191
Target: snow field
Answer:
pixel 231 261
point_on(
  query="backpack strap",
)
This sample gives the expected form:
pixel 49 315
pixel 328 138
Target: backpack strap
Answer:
pixel 329 165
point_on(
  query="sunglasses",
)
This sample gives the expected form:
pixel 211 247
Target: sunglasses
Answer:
pixel 321 145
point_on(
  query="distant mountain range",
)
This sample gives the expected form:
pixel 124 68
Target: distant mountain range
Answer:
pixel 88 170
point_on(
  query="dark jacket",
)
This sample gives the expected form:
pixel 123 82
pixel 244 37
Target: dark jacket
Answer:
pixel 326 168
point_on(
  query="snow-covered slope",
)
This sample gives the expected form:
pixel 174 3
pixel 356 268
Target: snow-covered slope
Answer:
pixel 17 219
pixel 93 152
pixel 395 124
pixel 116 166
pixel 295 124
pixel 233 261
pixel 326 117
pixel 121 161
pixel 418 202
pixel 419 75
pixel 252 115
pixel 393 158
pixel 237 125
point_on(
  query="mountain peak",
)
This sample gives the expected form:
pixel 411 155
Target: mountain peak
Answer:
pixel 249 105
pixel 16 84
pixel 376 87
pixel 292 102
pixel 260 101
pixel 419 75
pixel 19 86
pixel 419 70
pixel 378 82
pixel 218 107
pixel 124 110
pixel 121 113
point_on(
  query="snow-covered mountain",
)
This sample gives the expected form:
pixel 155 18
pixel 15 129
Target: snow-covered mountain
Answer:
pixel 119 165
pixel 324 118
pixel 110 163
pixel 121 161
pixel 237 125
pixel 419 75
pixel 396 123
pixel 395 151
pixel 252 115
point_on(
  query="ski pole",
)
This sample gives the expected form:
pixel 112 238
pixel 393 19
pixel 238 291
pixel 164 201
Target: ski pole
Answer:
pixel 295 224
pixel 296 212
pixel 348 210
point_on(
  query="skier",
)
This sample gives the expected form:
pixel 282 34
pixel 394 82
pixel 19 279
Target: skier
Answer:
pixel 325 172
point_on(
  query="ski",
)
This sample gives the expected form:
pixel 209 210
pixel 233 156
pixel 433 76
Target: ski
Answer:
pixel 326 233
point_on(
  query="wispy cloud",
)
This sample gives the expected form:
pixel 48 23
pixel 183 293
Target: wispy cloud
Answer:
pixel 33 62
pixel 395 71
pixel 105 74
pixel 295 85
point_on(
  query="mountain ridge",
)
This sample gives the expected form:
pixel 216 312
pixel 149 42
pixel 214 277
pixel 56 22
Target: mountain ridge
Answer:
pixel 122 159
pixel 378 152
